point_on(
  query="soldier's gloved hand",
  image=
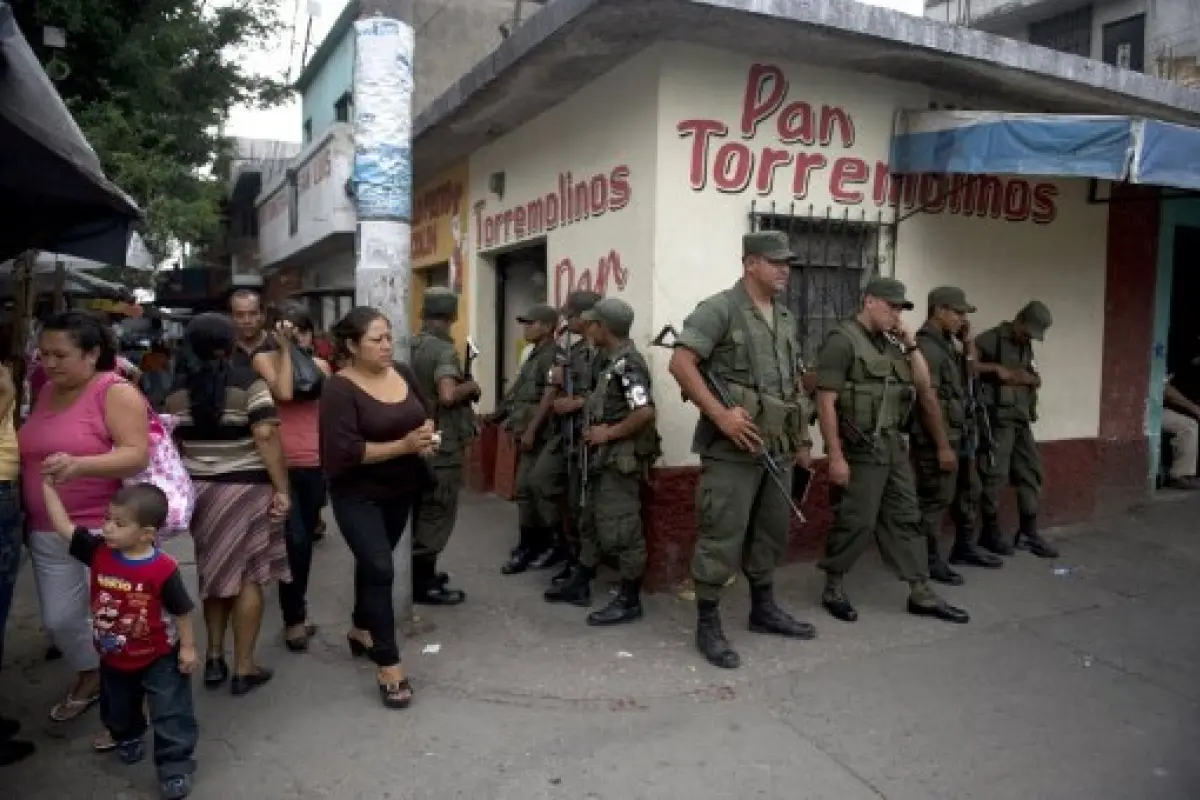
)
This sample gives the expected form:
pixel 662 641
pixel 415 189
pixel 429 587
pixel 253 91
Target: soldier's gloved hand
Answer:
pixel 737 425
pixel 839 472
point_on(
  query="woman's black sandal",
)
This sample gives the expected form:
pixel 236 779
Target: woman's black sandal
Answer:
pixel 397 694
pixel 300 643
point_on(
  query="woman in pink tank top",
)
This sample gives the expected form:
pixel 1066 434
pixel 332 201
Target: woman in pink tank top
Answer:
pixel 298 411
pixel 86 432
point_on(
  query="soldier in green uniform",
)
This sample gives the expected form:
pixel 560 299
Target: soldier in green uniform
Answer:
pixel 870 375
pixel 577 357
pixel 938 340
pixel 539 474
pixel 623 442
pixel 747 338
pixel 440 379
pixel 1010 386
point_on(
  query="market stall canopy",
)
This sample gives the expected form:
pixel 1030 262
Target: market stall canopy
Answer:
pixel 1069 145
pixel 76 282
pixel 53 192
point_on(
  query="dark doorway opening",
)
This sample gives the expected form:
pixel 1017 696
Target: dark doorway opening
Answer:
pixel 520 283
pixel 1183 341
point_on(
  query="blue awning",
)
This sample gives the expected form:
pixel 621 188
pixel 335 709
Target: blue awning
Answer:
pixel 1067 145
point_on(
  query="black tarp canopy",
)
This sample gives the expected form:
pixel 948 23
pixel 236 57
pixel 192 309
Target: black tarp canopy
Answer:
pixel 53 193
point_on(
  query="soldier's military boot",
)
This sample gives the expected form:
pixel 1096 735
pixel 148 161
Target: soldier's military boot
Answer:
pixel 625 607
pixel 564 574
pixel 1029 539
pixel 576 590
pixel 710 639
pixel 835 601
pixel 430 587
pixel 925 602
pixel 554 552
pixel 524 553
pixel 767 617
pixel 991 538
pixel 965 552
pixel 939 570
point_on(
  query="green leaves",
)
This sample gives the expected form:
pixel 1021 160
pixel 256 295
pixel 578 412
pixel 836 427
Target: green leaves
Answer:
pixel 151 83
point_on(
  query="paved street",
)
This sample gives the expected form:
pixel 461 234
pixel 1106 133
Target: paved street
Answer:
pixel 1079 685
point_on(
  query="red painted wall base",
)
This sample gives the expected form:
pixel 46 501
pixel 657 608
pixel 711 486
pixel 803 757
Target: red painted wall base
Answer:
pixel 1083 479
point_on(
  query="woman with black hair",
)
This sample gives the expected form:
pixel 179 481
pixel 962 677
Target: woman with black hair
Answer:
pixel 291 339
pixel 87 430
pixel 228 436
pixel 375 428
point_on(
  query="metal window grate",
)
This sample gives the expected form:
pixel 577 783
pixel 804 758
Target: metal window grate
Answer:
pixel 1069 32
pixel 836 255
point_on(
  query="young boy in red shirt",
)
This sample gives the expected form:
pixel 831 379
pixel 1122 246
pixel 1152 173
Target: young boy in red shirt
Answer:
pixel 142 631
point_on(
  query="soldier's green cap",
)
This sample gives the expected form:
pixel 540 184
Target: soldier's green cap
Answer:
pixel 950 297
pixel 547 315
pixel 614 314
pixel 889 290
pixel 771 245
pixel 579 302
pixel 439 302
pixel 1036 318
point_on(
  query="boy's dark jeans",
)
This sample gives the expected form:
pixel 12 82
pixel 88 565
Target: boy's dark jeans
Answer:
pixel 308 497
pixel 169 692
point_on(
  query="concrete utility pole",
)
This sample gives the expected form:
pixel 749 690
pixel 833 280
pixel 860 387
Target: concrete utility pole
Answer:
pixel 383 111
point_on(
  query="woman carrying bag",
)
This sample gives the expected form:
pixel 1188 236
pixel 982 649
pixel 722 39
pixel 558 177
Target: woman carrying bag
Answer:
pixel 296 378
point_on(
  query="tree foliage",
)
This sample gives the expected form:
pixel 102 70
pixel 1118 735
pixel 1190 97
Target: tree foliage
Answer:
pixel 150 84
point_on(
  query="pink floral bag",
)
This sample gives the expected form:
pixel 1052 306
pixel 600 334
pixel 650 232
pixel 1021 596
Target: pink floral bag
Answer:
pixel 165 470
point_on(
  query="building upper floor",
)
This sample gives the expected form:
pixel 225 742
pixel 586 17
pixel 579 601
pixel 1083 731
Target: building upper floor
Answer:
pixel 1157 37
pixel 451 37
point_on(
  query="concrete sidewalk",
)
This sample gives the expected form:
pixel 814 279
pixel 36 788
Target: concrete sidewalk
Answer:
pixel 1081 684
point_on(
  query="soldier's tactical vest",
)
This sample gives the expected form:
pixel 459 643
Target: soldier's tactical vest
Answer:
pixel 878 394
pixel 523 398
pixel 607 404
pixel 457 425
pixel 1009 403
pixel 742 365
pixel 950 390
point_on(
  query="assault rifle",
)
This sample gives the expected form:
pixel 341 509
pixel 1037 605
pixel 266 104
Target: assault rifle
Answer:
pixel 667 339
pixel 979 422
pixel 468 362
pixel 572 438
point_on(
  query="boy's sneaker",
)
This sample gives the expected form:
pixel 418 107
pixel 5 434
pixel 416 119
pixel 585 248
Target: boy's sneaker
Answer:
pixel 132 751
pixel 176 787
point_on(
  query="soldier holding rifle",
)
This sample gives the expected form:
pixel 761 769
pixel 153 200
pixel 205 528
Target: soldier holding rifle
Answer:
pixel 978 445
pixel 619 432
pixel 527 411
pixel 450 390
pixel 744 338
pixel 870 376
pixel 1010 388
pixel 573 380
pixel 938 340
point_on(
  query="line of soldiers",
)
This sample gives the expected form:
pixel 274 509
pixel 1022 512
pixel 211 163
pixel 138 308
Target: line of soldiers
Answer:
pixel 913 425
pixel 583 414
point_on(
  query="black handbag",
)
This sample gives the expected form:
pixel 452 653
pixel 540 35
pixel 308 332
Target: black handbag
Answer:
pixel 307 378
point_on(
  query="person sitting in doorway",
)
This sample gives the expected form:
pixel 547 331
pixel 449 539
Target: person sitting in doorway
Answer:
pixel 1181 419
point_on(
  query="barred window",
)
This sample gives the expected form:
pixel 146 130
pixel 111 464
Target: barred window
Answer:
pixel 836 257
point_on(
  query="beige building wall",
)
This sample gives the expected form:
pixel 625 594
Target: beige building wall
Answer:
pixel 1047 243
pixel 601 139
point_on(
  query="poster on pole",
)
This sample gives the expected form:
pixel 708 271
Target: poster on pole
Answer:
pixel 383 91
pixel 384 272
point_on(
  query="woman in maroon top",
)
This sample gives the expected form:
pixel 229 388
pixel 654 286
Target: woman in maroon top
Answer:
pixel 374 428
